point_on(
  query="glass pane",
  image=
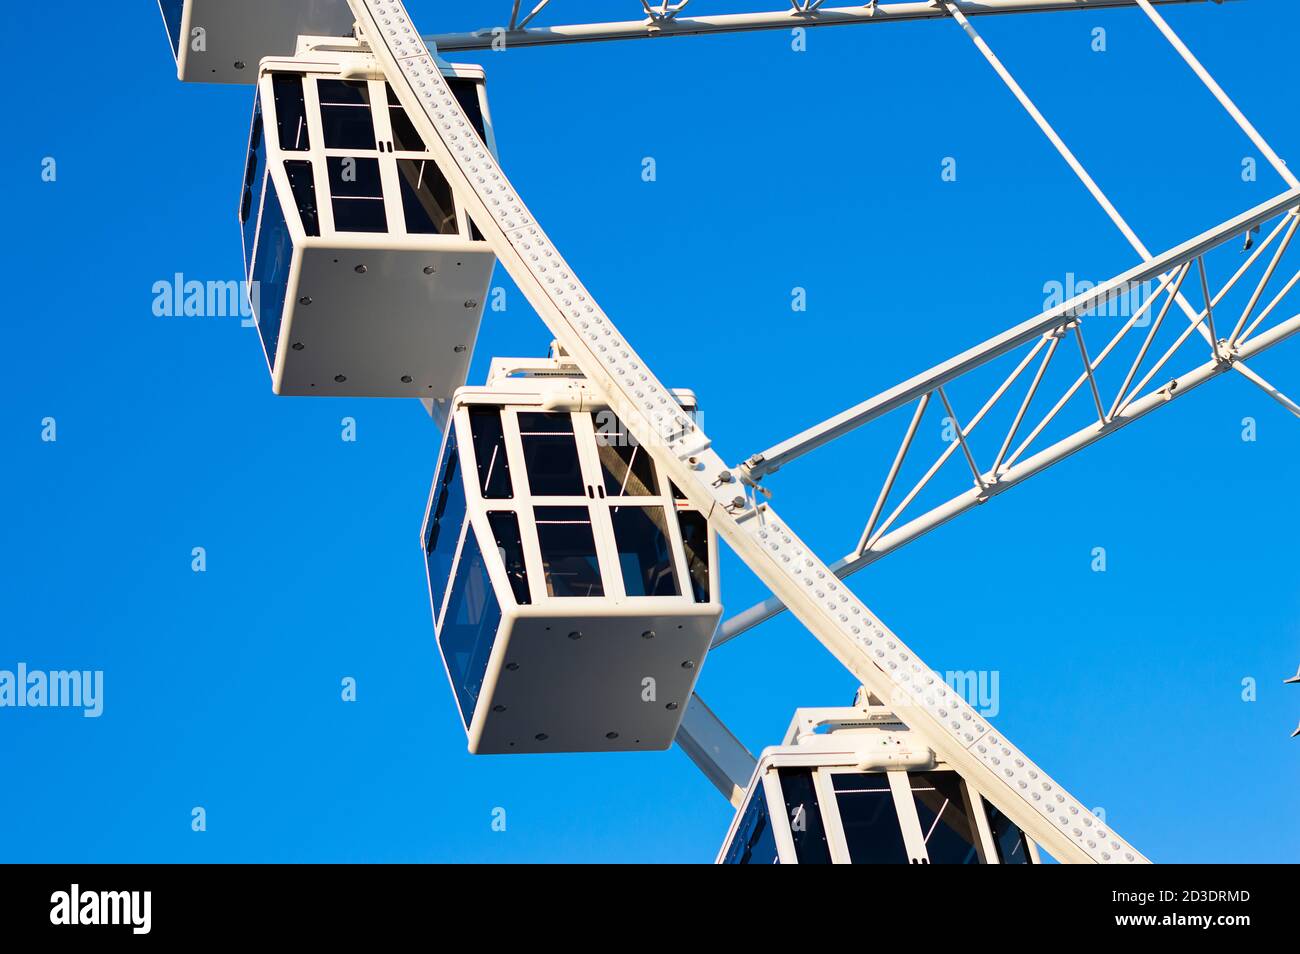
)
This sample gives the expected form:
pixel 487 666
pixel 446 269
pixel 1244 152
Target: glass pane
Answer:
pixel 274 256
pixel 426 198
pixel 345 114
pixel 290 112
pixel 405 138
pixel 358 194
pixel 303 184
pixel 551 455
pixel 949 833
pixel 569 551
pixel 870 821
pixel 466 93
pixel 810 845
pixel 171 11
pixel 628 470
pixel 695 540
pixel 254 178
pixel 490 453
pixel 1010 840
pixel 644 554
pixel 754 843
pixel 443 523
pixel 505 530
pixel 469 627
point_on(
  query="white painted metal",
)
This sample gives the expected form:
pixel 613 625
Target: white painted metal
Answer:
pixel 1167 393
pixel 1224 100
pixel 864 744
pixel 903 394
pixel 330 339
pixel 717 753
pixel 658 24
pixel 831 613
pixel 1018 91
pixel 222 41
pixel 564 673
pixel 765 543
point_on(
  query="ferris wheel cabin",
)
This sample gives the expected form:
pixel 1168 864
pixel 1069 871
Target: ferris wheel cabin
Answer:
pixel 574 589
pixel 855 786
pixel 366 275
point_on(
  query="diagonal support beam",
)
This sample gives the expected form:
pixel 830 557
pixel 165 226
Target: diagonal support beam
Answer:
pixel 1217 91
pixel 717 753
pixel 1072 160
pixel 875 655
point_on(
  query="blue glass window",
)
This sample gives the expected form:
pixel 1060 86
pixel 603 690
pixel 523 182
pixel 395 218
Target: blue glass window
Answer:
pixel 466 93
pixel 405 137
pixel 302 183
pixel 171 12
pixel 644 554
pixel 469 627
pixel 490 453
pixel 754 843
pixel 870 820
pixel 948 831
pixel 290 112
pixel 568 547
pixel 271 274
pixel 443 523
pixel 1010 840
pixel 345 114
pixel 510 547
pixel 810 845
pixel 695 540
pixel 254 181
pixel 550 454
pixel 427 203
pixel 358 194
pixel 628 470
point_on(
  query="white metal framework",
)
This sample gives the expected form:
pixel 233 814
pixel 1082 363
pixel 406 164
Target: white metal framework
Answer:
pixel 1123 372
pixel 520 27
pixel 855 786
pixel 574 593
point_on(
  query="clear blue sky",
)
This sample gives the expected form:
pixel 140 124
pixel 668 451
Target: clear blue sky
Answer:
pixel 776 169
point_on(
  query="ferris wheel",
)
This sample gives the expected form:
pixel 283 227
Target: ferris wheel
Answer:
pixel 573 529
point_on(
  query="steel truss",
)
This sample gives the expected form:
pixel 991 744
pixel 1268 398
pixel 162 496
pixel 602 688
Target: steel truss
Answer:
pixel 664 19
pixel 797 578
pixel 1049 340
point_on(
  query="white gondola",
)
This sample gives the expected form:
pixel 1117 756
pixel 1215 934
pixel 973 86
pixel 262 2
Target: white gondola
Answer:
pixel 855 786
pixel 222 41
pixel 574 591
pixel 342 207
